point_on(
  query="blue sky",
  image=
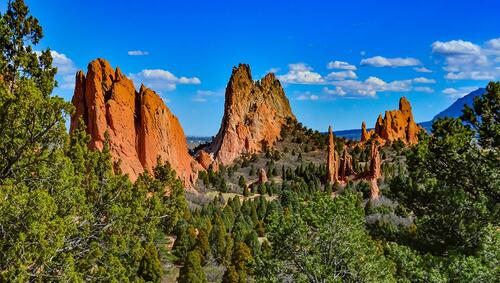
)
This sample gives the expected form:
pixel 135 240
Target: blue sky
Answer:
pixel 340 62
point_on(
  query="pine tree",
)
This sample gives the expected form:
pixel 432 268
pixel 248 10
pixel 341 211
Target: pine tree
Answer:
pixel 246 192
pixel 18 61
pixel 202 245
pixel 150 268
pixel 230 275
pixel 242 182
pixel 184 242
pixel 259 228
pixel 241 260
pixel 191 271
pixel 218 239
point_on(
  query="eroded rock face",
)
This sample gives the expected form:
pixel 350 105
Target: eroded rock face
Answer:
pixel 346 168
pixel 332 162
pixel 204 159
pixel 254 113
pixel 396 125
pixel 140 126
pixel 365 135
pixel 375 172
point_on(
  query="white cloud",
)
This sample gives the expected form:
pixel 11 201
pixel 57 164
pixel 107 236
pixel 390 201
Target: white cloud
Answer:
pixel 203 95
pixel 471 75
pixel 137 53
pixel 307 96
pixel 454 93
pixel 422 70
pixel 341 75
pixel 273 70
pixel 158 79
pixel 424 89
pixel 455 47
pixel 379 61
pixel 464 60
pixel 301 73
pixel 63 63
pixel 423 80
pixel 450 91
pixel 341 66
pixel 338 91
pixel 369 87
pixel 68 82
pixel 493 43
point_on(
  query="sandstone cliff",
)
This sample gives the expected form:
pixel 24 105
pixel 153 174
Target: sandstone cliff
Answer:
pixel 254 113
pixel 396 125
pixel 140 126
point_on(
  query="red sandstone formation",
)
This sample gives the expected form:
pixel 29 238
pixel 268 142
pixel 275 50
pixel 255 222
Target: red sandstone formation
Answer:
pixel 346 168
pixel 204 159
pixel 375 172
pixel 262 176
pixel 338 169
pixel 140 127
pixel 332 162
pixel 254 113
pixel 364 134
pixel 396 125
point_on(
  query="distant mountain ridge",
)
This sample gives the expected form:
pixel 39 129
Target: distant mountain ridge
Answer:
pixel 455 110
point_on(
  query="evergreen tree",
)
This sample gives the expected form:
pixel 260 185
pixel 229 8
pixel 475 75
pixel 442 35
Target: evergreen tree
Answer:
pixel 18 61
pixel 202 245
pixel 242 182
pixel 230 275
pixel 32 120
pixel 241 260
pixel 453 186
pixel 150 268
pixel 327 241
pixel 218 239
pixel 184 242
pixel 191 271
pixel 246 192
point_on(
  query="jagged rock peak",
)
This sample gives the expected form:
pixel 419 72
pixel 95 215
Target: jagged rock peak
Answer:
pixel 375 162
pixel 243 71
pixel 375 172
pixel 404 105
pixel 396 125
pixel 254 113
pixel 332 161
pixel 365 135
pixel 140 126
